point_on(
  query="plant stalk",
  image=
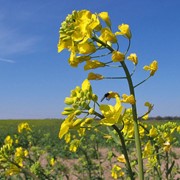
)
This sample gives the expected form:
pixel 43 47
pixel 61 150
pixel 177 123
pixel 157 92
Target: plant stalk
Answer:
pixel 136 126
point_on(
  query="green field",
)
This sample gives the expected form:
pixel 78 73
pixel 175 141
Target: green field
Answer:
pixel 43 142
pixel 49 127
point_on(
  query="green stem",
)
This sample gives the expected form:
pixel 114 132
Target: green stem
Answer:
pixel 142 82
pixel 131 174
pixel 167 165
pixel 136 126
pixel 134 110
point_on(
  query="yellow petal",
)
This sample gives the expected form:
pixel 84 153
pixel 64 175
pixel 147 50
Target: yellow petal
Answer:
pixel 133 57
pixel 117 56
pixel 93 76
pixel 105 17
pixel 86 48
pixel 124 30
pixel 92 64
pixel 86 85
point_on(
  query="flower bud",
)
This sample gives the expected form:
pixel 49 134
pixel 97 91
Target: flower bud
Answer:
pixel 68 109
pixel 94 97
pixel 77 112
pixel 91 111
pixel 66 112
pixel 69 100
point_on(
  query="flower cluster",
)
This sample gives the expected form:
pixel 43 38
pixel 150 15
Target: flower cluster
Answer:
pixel 89 37
pixel 78 103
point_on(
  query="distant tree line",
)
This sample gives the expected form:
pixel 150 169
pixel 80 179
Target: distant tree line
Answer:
pixel 169 118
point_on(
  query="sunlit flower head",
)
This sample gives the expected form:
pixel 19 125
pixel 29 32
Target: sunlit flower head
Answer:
pixel 107 36
pixel 133 57
pixel 116 172
pixel 8 140
pixel 128 99
pixel 153 67
pixel 105 17
pixel 74 144
pixel 117 56
pixel 23 126
pixel 124 30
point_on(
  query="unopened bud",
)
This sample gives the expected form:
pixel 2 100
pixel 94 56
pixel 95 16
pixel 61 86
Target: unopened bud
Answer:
pixel 91 111
pixel 69 101
pixel 94 97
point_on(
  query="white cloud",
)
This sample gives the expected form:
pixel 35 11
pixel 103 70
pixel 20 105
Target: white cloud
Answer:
pixel 12 41
pixel 7 60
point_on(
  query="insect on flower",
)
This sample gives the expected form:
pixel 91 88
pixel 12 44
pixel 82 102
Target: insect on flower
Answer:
pixel 105 96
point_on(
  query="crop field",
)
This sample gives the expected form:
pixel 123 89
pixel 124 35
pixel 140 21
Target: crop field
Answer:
pixel 43 127
pixel 90 161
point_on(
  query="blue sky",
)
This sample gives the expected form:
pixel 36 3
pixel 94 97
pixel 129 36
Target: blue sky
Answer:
pixel 35 79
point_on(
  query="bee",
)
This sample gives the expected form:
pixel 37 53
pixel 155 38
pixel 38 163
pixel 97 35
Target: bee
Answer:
pixel 110 95
pixel 105 96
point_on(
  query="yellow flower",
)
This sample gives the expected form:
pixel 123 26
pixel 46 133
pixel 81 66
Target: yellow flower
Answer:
pixel 93 76
pixel 153 132
pixel 64 45
pixel 52 161
pixel 121 158
pixel 128 99
pixel 105 17
pixel 116 172
pixel 23 126
pixel 77 28
pixel 167 146
pixel 8 140
pixel 20 152
pixel 74 60
pixel 148 150
pixel 66 125
pixel 153 67
pixel 86 86
pixel 117 56
pixel 124 30
pixel 145 117
pixel 13 170
pixel 107 36
pixel 112 114
pixel 86 48
pixel 67 137
pixel 133 57
pixel 74 145
pixel 92 64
